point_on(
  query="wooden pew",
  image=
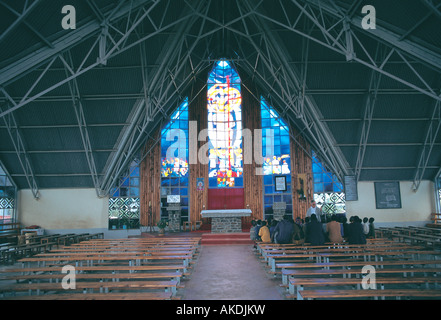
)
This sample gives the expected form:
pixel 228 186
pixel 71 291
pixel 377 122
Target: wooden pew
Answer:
pixel 89 287
pixel 428 240
pixel 360 294
pixel 99 276
pixel 299 284
pixel 98 296
pixel 98 268
pixel 288 273
pixel 325 257
pixel 126 264
pixel 346 248
pixel 350 264
pixel 90 260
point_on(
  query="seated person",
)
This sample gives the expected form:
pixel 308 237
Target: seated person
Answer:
pixel 333 230
pixel 314 231
pixel 264 233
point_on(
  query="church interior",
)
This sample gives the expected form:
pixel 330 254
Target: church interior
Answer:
pixel 147 146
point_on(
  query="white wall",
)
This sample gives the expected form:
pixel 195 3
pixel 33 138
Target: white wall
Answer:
pixel 63 209
pixel 416 207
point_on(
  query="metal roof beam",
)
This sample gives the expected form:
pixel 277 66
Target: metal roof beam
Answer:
pixel 21 17
pixel 433 8
pixel 35 59
pixel 82 126
pixel 429 142
pixel 145 112
pixel 337 35
pixel 309 114
pixel 21 152
pixel 120 45
pixel 383 34
pixel 366 126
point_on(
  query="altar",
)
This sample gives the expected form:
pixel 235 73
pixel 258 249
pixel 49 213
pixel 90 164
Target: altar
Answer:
pixel 227 220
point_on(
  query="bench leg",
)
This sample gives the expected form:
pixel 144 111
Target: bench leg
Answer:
pixel 299 296
pixel 284 278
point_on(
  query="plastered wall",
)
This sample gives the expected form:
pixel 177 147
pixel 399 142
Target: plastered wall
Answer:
pixel 416 207
pixel 63 209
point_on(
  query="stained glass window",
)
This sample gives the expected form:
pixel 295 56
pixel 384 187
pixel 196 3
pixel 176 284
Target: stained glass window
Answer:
pixel 438 193
pixel 276 154
pixel 328 191
pixel 174 145
pixel 124 200
pixel 275 141
pixel 8 193
pixel 224 104
pixel 174 160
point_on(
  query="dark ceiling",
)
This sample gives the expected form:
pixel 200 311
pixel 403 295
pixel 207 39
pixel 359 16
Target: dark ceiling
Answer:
pixel 77 104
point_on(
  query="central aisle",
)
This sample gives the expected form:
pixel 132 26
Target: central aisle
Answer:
pixel 230 272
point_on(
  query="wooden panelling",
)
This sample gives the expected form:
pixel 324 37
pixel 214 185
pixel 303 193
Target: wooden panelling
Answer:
pixel 150 184
pixel 253 183
pixel 301 164
pixel 198 199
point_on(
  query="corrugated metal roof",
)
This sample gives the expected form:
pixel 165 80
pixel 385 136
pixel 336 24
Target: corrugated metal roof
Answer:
pixel 109 92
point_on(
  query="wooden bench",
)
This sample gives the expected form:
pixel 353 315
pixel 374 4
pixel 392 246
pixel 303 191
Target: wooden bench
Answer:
pixel 267 247
pixel 141 253
pixel 339 250
pixel 90 260
pixel 14 252
pixel 98 296
pixel 287 273
pixel 89 287
pixel 11 235
pixel 98 276
pixel 359 294
pixel 114 268
pixel 297 285
pixel 434 241
pixel 350 264
pixel 325 257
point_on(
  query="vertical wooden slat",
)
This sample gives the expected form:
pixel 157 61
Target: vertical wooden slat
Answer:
pixel 198 199
pixel 301 163
pixel 150 182
pixel 253 183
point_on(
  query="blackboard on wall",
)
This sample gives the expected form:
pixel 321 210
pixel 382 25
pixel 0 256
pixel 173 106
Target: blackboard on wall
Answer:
pixel 387 195
pixel 351 193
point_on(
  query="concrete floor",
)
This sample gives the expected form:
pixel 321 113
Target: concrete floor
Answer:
pixel 230 272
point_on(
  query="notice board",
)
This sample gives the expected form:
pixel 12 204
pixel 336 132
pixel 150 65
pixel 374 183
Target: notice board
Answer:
pixel 387 195
pixel 351 193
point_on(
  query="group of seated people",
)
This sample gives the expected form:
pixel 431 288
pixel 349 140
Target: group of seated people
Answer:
pixel 312 231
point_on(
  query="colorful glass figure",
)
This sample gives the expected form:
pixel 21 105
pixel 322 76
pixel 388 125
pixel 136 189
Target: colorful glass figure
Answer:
pixel 224 102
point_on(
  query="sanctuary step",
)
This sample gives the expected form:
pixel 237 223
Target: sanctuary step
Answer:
pixel 226 238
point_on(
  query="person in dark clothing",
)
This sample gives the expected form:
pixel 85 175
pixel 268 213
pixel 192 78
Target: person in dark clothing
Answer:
pixel 345 227
pixel 371 233
pixel 283 231
pixel 356 234
pixel 258 226
pixel 315 234
pixel 305 229
pixel 272 227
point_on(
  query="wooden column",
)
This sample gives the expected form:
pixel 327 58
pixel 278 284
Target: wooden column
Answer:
pixel 198 199
pixel 301 167
pixel 150 182
pixel 253 183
